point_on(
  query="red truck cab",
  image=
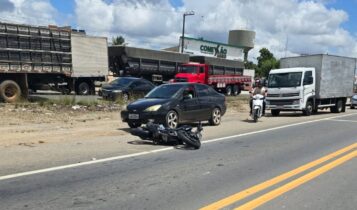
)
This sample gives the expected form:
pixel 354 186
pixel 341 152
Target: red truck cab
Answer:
pixel 227 79
pixel 192 72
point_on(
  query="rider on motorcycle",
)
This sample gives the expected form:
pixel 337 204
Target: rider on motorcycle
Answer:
pixel 258 89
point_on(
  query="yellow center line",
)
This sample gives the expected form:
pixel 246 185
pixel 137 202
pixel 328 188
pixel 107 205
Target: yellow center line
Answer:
pixel 252 190
pixel 297 182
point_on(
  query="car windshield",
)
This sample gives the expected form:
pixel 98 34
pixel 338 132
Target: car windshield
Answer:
pixel 164 91
pixel 123 82
pixel 282 80
pixel 188 69
pixel 354 97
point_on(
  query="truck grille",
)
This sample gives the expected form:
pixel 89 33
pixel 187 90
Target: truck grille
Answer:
pixel 281 102
pixel 283 95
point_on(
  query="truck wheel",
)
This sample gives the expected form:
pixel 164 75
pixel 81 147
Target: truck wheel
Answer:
pixel 83 88
pixel 229 90
pixel 216 117
pixel 338 107
pixel 236 90
pixel 309 109
pixel 10 91
pixel 275 112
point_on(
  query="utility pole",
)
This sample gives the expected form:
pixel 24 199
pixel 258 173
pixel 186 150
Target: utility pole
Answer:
pixel 183 27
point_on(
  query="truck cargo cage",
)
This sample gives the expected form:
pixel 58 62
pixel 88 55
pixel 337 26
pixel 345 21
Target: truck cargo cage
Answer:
pixel 34 31
pixel 24 43
pixel 3 42
pixel 4 55
pixel 25 56
pixel 11 29
pixel 12 41
pixel 35 43
pixel 23 30
pixel 2 28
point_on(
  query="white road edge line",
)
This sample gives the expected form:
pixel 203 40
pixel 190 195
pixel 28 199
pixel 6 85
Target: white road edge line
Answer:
pixel 11 176
pixel 335 120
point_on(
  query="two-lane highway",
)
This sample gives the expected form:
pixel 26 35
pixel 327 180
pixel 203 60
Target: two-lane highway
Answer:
pixel 309 165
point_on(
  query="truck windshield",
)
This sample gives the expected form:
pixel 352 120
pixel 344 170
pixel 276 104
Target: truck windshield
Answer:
pixel 164 91
pixel 281 80
pixel 188 69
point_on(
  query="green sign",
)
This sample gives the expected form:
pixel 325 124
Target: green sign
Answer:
pixel 218 51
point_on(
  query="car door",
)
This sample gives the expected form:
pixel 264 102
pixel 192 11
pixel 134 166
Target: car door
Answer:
pixel 189 105
pixel 205 101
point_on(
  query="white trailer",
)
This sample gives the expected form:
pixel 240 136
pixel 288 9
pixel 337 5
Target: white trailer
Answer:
pixel 33 57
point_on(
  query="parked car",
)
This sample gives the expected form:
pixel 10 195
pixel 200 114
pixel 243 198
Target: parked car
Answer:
pixel 176 103
pixel 126 87
pixel 354 101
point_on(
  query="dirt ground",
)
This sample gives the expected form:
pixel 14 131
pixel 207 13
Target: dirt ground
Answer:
pixel 31 124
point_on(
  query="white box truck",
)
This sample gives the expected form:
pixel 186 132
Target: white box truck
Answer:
pixel 309 83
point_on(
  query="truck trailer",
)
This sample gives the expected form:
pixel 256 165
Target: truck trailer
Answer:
pixel 33 57
pixel 224 75
pixel 309 83
pixel 157 66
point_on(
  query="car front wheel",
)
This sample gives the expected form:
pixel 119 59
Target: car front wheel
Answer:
pixel 216 117
pixel 172 119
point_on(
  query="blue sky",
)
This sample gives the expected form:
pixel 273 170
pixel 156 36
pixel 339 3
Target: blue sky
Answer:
pixel 349 6
pixel 312 26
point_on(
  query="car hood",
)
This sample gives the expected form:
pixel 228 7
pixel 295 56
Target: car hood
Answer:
pixel 144 103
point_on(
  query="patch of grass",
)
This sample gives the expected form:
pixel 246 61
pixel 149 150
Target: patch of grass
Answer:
pixel 239 103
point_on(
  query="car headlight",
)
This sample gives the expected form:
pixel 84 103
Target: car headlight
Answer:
pixel 153 108
pixel 117 91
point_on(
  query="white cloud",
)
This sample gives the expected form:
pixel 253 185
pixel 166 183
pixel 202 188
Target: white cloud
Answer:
pixel 309 26
pixel 36 12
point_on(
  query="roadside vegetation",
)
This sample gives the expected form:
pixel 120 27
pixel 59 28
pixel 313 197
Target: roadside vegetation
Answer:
pixel 238 104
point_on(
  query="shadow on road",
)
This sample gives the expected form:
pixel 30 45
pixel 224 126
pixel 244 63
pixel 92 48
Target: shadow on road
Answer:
pixel 127 130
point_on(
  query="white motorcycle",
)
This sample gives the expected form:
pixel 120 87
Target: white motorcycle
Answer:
pixel 257 106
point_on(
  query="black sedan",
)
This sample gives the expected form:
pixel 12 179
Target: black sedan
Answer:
pixel 126 87
pixel 176 103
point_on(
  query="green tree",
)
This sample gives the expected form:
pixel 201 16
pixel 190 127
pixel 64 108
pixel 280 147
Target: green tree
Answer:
pixel 118 40
pixel 250 65
pixel 266 62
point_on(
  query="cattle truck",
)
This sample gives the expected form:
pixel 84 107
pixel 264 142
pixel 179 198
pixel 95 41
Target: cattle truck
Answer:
pixel 309 83
pixel 157 66
pixel 224 75
pixel 65 60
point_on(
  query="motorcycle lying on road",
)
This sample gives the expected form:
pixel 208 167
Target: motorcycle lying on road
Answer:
pixel 257 106
pixel 160 134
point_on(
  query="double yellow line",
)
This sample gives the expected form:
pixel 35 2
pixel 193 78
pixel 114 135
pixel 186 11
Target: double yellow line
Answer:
pixel 352 153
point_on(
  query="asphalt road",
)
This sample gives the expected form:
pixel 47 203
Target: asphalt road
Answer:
pixel 221 169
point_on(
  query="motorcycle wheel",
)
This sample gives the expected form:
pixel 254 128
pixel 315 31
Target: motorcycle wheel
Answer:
pixel 255 115
pixel 190 140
